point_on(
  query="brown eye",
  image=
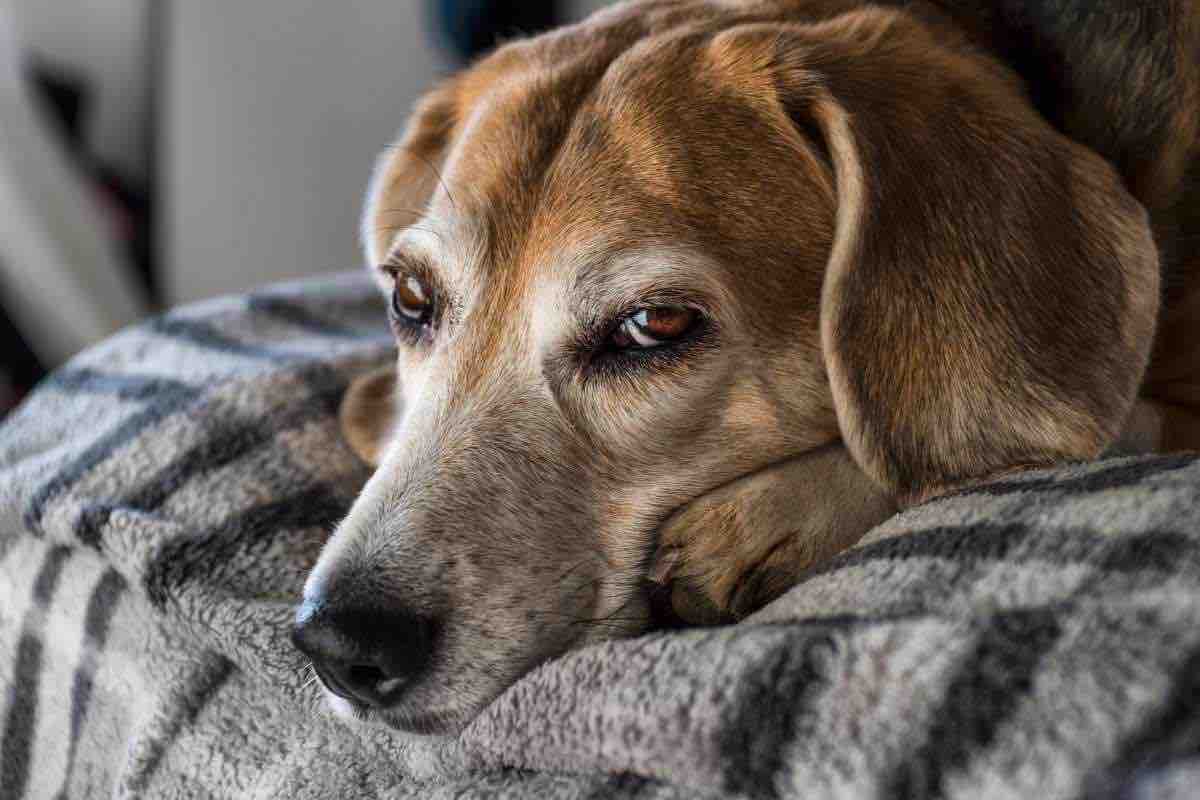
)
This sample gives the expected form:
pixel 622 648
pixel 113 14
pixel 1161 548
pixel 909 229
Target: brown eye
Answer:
pixel 412 300
pixel 650 327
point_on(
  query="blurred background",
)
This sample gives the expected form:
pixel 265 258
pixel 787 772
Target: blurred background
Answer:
pixel 154 152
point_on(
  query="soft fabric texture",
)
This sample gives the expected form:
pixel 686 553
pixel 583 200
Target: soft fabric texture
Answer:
pixel 162 496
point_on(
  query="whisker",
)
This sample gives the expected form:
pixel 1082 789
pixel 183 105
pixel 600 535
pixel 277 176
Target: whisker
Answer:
pixel 438 173
pixel 420 212
pixel 415 213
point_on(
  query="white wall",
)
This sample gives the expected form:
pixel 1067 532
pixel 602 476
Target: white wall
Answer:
pixel 274 112
pixel 106 40
pixel 60 278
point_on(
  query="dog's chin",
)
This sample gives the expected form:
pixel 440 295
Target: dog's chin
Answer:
pixel 424 723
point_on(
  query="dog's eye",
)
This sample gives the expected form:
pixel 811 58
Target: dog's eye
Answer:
pixel 651 327
pixel 412 300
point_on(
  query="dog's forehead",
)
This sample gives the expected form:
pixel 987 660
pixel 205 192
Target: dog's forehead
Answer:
pixel 596 154
pixel 540 159
pixel 576 172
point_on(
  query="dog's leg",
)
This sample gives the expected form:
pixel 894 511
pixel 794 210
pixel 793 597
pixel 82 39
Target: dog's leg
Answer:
pixel 732 550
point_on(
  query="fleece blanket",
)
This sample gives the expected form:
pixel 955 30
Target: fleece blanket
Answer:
pixel 162 496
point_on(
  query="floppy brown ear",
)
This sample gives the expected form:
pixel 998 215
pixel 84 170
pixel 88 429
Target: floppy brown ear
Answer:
pixel 404 180
pixel 991 295
pixel 406 173
pixel 368 412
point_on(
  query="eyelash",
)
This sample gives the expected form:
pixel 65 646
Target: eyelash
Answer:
pixel 412 332
pixel 602 359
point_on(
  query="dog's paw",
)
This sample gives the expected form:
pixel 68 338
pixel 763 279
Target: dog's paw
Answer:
pixel 731 551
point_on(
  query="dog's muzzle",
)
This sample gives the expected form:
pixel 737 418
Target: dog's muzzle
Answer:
pixel 365 654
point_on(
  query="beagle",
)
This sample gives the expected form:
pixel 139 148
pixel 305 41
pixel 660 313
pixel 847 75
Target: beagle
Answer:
pixel 699 291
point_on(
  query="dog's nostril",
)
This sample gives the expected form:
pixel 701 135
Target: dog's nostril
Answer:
pixel 365 683
pixel 363 654
pixel 367 675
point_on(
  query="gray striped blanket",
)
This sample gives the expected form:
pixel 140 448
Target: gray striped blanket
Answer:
pixel 162 496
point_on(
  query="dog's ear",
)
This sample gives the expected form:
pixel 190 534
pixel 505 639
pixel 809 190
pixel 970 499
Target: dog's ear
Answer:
pixel 401 186
pixel 406 173
pixel 991 294
pixel 368 411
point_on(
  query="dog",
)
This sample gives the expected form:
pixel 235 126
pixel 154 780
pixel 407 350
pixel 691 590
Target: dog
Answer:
pixel 696 292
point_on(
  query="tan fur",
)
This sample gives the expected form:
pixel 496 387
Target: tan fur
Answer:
pixel 773 525
pixel 368 411
pixel 914 281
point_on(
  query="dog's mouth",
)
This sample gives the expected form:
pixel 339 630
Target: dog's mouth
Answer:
pixel 406 707
pixel 423 723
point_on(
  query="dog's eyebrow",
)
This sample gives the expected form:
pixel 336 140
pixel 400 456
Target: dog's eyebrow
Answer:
pixel 401 260
pixel 420 243
pixel 436 246
pixel 613 281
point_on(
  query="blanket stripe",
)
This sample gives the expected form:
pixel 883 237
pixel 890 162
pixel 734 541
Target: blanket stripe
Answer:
pixel 100 450
pixel 229 442
pixel 982 696
pixel 101 607
pixel 21 717
pixel 754 743
pixel 200 687
pixel 1106 477
pixel 1015 543
pixel 188 559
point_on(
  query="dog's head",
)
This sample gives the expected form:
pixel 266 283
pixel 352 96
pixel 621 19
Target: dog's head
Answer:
pixel 633 260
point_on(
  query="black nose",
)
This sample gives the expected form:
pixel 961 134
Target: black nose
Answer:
pixel 362 653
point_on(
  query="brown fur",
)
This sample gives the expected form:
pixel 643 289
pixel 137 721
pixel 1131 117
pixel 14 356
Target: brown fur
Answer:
pixel 917 277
